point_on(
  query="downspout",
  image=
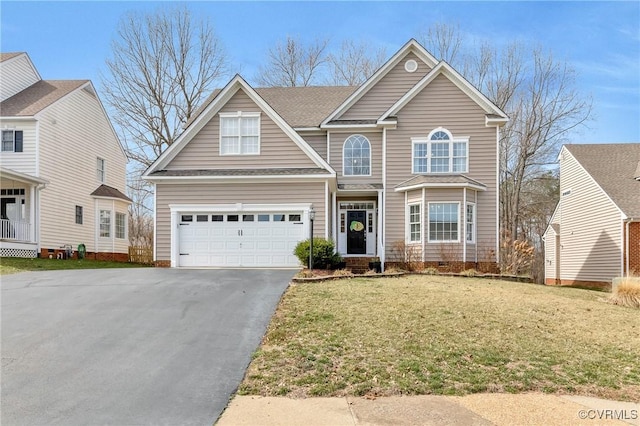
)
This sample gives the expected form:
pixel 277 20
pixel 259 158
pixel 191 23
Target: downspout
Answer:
pixel 464 227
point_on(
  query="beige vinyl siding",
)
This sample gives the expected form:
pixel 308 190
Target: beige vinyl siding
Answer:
pixel 442 104
pixel 387 91
pixel 336 146
pixel 25 161
pixel 73 133
pixel 318 142
pixel 276 148
pixel 550 255
pixel 249 193
pixel 16 74
pixel 590 227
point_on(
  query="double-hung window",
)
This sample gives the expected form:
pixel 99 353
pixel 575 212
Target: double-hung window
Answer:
pixel 471 222
pixel 12 141
pixel 105 223
pixel 240 133
pixel 443 222
pixel 440 152
pixel 121 225
pixel 414 223
pixel 100 170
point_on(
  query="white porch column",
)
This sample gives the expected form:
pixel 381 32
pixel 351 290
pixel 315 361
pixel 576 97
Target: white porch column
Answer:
pixel 381 209
pixel 32 213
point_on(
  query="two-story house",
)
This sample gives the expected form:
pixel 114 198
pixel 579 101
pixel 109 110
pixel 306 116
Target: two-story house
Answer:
pixel 62 167
pixel 409 159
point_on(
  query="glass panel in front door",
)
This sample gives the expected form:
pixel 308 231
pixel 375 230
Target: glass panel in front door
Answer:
pixel 356 228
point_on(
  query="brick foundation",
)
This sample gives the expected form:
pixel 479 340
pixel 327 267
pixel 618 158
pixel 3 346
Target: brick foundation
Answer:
pixel 162 263
pixel 359 265
pixel 61 253
pixel 596 285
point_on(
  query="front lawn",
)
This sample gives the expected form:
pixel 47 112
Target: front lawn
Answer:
pixel 12 265
pixel 445 335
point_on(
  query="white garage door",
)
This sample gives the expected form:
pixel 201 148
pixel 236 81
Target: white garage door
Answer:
pixel 240 239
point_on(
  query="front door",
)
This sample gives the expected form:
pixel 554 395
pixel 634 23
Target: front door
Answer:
pixel 356 228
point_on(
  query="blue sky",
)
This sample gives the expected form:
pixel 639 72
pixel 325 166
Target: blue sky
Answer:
pixel 601 40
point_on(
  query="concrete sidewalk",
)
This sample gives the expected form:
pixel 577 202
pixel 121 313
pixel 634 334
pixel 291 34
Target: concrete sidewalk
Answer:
pixel 478 409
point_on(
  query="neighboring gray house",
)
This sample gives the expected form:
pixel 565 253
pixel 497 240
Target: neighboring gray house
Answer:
pixel 408 158
pixel 62 168
pixel 594 233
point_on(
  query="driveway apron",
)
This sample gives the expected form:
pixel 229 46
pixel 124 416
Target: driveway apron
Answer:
pixel 130 346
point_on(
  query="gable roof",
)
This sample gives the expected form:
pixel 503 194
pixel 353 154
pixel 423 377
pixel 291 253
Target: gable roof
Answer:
pixel 37 97
pixel 236 84
pixel 614 168
pixel 411 46
pixel 299 106
pixel 495 113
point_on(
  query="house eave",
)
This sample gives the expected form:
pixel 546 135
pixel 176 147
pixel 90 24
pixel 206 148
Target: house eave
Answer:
pixel 440 185
pixel 236 179
pixel 100 197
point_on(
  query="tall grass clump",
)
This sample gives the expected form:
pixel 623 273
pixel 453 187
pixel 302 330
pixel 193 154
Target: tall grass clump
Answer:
pixel 627 293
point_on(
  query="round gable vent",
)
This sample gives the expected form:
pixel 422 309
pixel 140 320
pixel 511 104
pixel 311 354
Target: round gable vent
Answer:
pixel 411 66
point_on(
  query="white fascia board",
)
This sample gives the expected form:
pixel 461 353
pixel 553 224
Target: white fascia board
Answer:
pixel 441 185
pixel 309 129
pixel 492 122
pixel 411 46
pixel 237 179
pixel 21 177
pixel 237 207
pixel 359 127
pixel 455 78
pixel 18 118
pixel 102 197
pixel 551 220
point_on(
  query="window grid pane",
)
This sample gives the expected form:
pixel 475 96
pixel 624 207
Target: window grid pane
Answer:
pixel 7 140
pixel 239 135
pixel 357 156
pixel 120 225
pixel 470 222
pixel 420 158
pixel 105 223
pixel 414 223
pixel 443 222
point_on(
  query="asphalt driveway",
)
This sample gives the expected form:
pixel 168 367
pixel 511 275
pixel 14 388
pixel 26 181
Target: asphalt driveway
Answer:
pixel 130 346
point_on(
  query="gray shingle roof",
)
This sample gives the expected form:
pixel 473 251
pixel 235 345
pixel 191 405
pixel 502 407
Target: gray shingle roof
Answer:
pixel 360 186
pixel 298 106
pixel 37 97
pixel 241 172
pixel 614 168
pixel 108 191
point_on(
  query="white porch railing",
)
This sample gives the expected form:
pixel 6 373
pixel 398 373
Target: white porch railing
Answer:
pixel 15 230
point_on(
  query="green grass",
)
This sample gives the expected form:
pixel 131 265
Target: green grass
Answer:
pixel 445 335
pixel 12 265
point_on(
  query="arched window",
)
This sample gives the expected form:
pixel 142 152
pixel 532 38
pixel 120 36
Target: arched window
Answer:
pixel 356 156
pixel 440 152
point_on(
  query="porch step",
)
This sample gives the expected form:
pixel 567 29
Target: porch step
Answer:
pixel 359 265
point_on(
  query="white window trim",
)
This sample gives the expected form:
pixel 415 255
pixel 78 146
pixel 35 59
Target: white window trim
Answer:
pixel 102 162
pixel 452 140
pixel 409 223
pixel 111 224
pixel 370 156
pixel 475 221
pixel 115 226
pixel 239 115
pixel 429 222
pixel 13 145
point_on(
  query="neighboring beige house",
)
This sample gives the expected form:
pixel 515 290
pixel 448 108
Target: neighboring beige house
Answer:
pixel 594 233
pixel 409 159
pixel 62 168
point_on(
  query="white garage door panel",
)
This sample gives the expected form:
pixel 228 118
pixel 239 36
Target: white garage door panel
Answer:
pixel 245 242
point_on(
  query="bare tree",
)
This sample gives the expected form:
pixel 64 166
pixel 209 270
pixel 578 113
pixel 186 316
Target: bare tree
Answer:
pixel 443 41
pixel 162 66
pixel 290 64
pixel 354 63
pixel 540 95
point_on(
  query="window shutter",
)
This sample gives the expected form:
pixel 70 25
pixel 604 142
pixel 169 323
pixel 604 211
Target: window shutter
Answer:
pixel 18 141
